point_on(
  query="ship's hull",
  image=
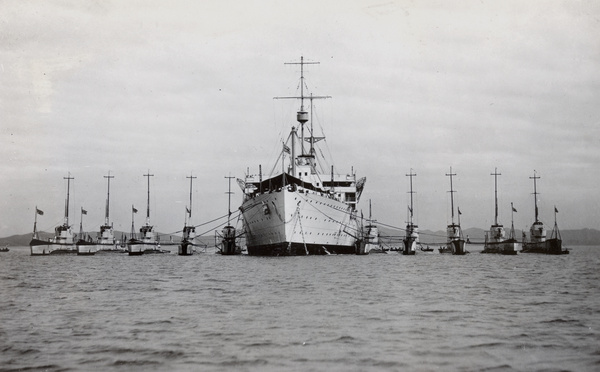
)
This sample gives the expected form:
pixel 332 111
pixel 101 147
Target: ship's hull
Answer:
pixel 185 248
pixel 458 247
pixel 360 248
pixel 109 245
pixel 455 247
pixel 550 246
pixel 110 248
pixel 86 248
pixel 42 248
pixel 410 246
pixel 231 250
pixel 507 247
pixel 445 250
pixel 288 221
pixel 142 248
pixel 139 247
pixel 228 242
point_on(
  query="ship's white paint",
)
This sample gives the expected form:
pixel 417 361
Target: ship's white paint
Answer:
pixel 63 241
pixel 298 216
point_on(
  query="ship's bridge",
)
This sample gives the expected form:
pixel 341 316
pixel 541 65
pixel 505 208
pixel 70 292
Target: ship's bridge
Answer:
pixel 343 187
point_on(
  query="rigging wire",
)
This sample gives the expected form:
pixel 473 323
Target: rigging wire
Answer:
pixel 202 224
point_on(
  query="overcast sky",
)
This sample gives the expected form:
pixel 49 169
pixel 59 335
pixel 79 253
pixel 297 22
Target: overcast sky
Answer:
pixel 187 87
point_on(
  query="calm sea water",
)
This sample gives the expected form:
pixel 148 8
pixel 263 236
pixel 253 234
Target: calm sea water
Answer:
pixel 428 312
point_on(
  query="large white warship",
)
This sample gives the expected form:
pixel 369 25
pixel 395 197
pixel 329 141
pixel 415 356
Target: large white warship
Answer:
pixel 305 209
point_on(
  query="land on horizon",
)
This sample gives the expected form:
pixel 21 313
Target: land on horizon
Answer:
pixel 388 236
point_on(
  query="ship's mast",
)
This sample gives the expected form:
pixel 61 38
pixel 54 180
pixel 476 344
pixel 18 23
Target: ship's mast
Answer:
pixel 512 224
pixel 302 115
pixel 148 175
pixel 81 223
pixel 68 178
pixel 496 174
pixel 535 193
pixel 191 177
pixel 411 192
pixel 451 193
pixel 229 200
pixel 35 234
pixel 106 216
pixel 133 212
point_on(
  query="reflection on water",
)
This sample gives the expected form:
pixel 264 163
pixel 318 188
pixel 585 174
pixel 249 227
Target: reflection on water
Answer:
pixel 213 312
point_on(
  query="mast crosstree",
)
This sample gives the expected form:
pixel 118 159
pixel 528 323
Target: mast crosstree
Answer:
pixel 302 115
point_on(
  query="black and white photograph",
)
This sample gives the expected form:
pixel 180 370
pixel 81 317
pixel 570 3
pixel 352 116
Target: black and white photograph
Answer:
pixel 326 185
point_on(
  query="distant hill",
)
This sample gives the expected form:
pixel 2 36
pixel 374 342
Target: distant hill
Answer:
pixel 23 240
pixel 388 236
pixel 477 235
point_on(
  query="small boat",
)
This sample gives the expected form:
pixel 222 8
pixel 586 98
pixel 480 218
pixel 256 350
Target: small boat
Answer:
pixel 426 249
pixel 228 236
pixel 455 242
pixel 148 242
pixel 537 242
pixel 186 246
pixel 412 231
pixel 63 241
pixel 4 249
pixel 445 249
pixel 495 241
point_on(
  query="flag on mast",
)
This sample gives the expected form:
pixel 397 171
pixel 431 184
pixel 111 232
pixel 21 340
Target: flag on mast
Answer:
pixel 39 211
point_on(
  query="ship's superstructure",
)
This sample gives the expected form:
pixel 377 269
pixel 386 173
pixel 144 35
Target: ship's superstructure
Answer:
pixel 369 237
pixel 106 241
pixel 186 246
pixel 455 242
pixel 537 233
pixel 495 239
pixel 228 245
pixel 147 241
pixel 63 240
pixel 304 209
